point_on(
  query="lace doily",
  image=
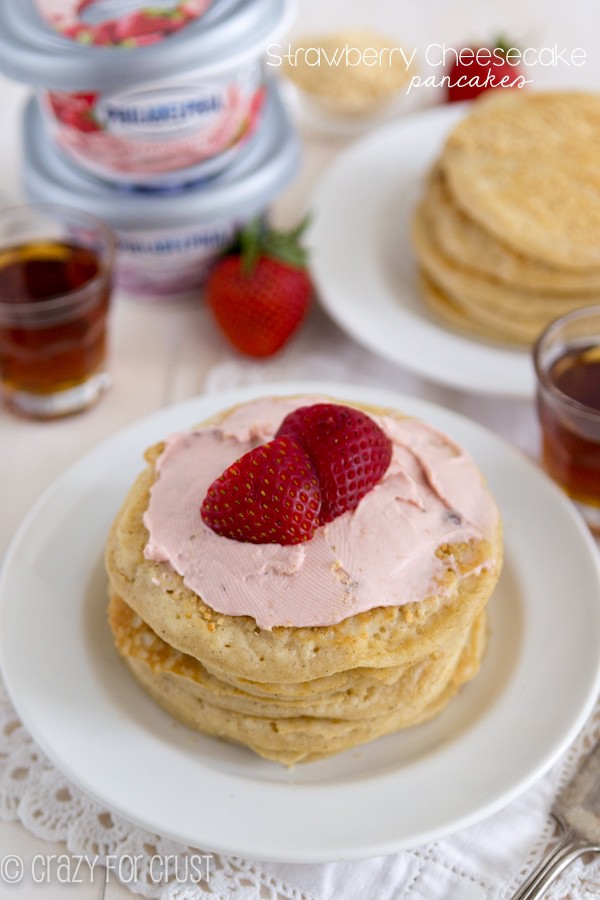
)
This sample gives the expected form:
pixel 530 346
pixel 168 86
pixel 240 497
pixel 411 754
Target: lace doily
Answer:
pixel 484 862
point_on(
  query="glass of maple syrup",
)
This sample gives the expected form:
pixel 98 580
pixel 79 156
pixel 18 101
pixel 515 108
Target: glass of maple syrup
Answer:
pixel 56 268
pixel 567 364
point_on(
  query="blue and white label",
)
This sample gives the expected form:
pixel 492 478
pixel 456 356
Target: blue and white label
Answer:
pixel 161 112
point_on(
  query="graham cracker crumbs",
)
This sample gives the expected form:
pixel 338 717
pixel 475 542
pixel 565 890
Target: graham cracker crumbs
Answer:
pixel 351 71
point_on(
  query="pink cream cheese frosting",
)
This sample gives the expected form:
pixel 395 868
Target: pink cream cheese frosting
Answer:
pixel 380 554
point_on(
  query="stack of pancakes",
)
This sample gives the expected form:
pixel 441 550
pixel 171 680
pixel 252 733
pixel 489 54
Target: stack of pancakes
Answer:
pixel 507 234
pixel 294 694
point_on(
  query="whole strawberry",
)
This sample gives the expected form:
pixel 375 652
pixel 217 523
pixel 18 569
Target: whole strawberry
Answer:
pixel 260 291
pixel 480 69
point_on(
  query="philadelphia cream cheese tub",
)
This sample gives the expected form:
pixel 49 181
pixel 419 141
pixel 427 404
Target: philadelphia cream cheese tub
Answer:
pixel 167 239
pixel 145 95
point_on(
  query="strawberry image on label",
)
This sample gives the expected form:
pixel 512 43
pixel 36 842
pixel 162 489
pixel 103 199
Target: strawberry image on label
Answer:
pixel 127 23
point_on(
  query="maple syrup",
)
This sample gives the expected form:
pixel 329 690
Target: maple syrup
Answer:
pixel 54 299
pixel 569 414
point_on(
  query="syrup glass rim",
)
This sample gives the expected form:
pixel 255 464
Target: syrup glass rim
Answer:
pixel 542 370
pixel 9 309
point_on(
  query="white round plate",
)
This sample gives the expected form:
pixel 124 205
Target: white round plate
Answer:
pixel 365 271
pixel 502 732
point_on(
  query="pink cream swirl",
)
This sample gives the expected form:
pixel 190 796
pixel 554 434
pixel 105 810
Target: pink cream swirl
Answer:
pixel 380 554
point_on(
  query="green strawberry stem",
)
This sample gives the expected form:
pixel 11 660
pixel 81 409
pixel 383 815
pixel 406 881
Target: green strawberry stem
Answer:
pixel 257 239
pixel 503 44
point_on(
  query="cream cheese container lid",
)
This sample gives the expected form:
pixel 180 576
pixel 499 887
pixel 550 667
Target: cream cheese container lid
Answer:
pixel 268 162
pixel 227 34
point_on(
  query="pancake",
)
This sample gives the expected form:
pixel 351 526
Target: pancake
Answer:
pixel 416 685
pixel 507 311
pixel 455 315
pixel 281 732
pixel 474 247
pixel 303 692
pixel 506 235
pixel 525 167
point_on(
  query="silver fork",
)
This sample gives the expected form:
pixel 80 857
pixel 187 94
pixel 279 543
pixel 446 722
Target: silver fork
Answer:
pixel 570 846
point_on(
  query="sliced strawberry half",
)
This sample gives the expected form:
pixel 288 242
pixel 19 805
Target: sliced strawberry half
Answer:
pixel 270 495
pixel 348 450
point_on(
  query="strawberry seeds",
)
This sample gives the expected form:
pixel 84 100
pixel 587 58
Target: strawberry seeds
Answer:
pixel 321 463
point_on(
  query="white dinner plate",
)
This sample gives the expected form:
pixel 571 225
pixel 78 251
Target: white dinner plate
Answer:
pixel 364 267
pixel 501 732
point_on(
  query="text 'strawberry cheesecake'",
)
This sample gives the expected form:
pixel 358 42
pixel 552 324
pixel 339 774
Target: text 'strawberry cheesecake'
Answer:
pixel 302 575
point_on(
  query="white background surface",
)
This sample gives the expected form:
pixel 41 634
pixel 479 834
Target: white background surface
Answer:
pixel 162 354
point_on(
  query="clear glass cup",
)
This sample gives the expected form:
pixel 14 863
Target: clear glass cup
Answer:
pixel 567 364
pixel 56 272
